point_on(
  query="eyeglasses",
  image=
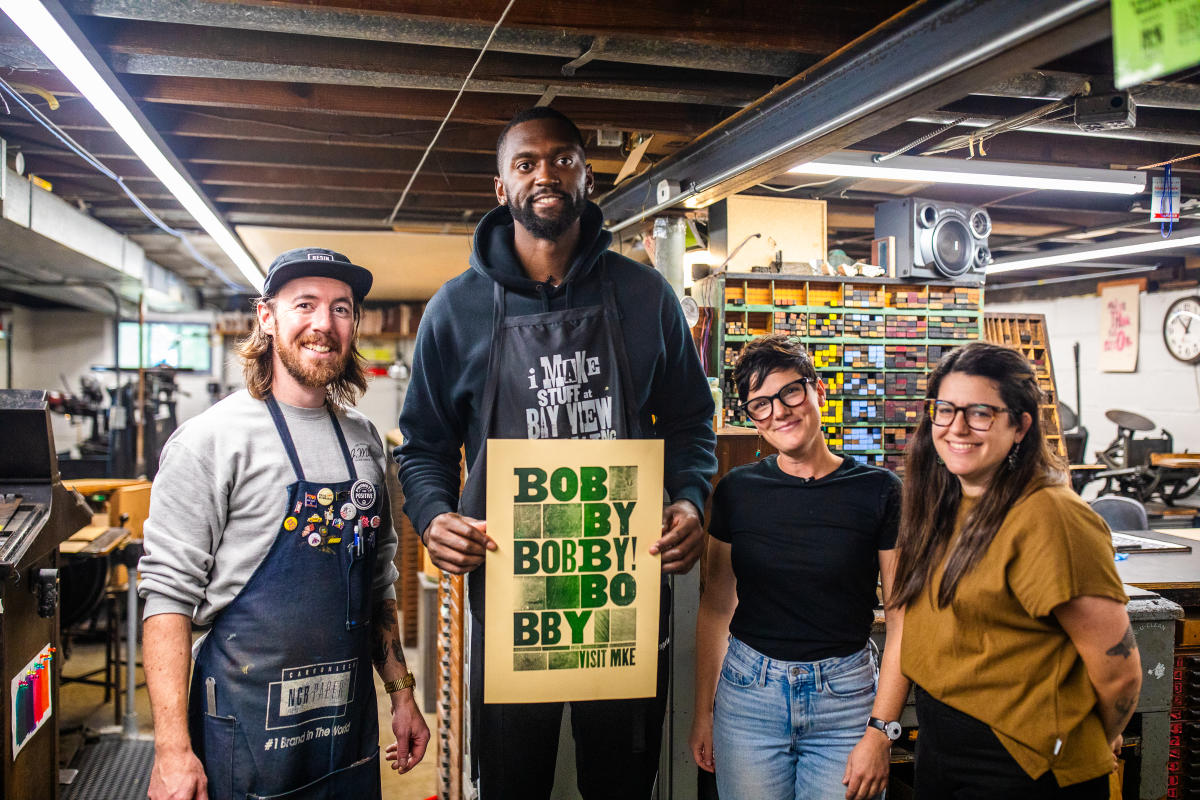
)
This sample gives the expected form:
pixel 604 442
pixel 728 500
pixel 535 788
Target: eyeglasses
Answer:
pixel 979 416
pixel 791 395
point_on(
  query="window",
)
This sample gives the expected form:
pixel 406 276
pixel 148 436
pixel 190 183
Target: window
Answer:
pixel 182 345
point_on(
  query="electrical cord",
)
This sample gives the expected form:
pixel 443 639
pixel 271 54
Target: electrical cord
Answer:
pixel 392 217
pixel 880 158
pixel 1038 114
pixel 785 189
pixel 96 164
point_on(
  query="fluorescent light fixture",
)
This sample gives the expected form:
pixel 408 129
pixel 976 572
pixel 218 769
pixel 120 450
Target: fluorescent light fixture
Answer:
pixel 45 32
pixel 1122 247
pixel 855 164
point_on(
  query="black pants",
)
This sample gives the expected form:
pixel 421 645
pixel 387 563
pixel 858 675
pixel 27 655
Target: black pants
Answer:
pixel 617 745
pixel 959 758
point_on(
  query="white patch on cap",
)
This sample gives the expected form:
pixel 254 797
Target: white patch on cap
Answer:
pixel 319 257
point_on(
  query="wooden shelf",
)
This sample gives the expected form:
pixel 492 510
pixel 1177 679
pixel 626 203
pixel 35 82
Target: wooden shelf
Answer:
pixel 1027 333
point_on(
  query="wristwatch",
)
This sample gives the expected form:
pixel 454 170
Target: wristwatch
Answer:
pixel 890 729
pixel 407 682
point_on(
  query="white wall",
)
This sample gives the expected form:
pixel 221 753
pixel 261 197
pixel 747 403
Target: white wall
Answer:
pixel 1163 389
pixel 47 343
pixel 50 344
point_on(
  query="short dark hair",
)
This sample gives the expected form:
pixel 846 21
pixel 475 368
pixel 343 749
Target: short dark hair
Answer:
pixel 768 354
pixel 537 112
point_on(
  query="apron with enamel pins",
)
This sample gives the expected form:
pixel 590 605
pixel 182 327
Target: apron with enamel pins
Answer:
pixel 538 365
pixel 282 699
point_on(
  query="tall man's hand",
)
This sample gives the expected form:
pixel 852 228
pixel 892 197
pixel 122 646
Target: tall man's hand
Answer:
pixel 177 776
pixel 457 544
pixel 412 734
pixel 682 538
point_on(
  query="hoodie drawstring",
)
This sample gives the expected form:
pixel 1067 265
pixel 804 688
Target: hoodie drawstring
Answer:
pixel 545 295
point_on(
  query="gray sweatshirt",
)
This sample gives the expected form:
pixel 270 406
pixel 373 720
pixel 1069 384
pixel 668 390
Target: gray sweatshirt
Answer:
pixel 221 493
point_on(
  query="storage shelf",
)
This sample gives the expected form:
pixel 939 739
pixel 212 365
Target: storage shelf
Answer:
pixel 846 307
pixel 1028 334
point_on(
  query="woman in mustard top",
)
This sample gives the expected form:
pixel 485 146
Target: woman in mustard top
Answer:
pixel 1016 634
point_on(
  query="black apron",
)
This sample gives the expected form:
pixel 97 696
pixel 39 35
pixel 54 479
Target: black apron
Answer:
pixel 553 375
pixel 282 699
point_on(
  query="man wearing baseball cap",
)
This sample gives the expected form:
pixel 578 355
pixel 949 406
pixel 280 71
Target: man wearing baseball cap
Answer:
pixel 270 530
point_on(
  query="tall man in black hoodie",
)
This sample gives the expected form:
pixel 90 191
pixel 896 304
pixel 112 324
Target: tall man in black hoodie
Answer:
pixel 543 283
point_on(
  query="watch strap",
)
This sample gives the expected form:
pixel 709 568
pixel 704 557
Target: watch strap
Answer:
pixel 890 729
pixel 407 682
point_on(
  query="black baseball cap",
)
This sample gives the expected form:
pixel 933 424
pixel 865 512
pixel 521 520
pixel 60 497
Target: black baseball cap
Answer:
pixel 308 262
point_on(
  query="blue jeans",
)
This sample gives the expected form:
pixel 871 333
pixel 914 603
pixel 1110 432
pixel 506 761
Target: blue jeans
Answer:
pixel 784 729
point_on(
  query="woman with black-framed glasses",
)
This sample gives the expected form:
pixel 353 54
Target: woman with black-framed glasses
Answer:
pixel 786 701
pixel 1015 629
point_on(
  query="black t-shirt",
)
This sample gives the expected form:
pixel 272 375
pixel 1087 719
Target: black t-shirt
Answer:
pixel 805 555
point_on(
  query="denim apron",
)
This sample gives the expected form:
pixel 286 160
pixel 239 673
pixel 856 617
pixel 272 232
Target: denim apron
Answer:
pixel 282 698
pixel 538 365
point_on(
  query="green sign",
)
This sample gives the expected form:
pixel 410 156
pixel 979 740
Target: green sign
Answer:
pixel 1152 38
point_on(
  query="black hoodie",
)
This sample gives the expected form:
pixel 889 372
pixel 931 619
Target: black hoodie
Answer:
pixel 442 406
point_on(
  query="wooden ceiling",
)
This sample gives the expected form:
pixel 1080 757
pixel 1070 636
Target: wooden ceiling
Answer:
pixel 314 113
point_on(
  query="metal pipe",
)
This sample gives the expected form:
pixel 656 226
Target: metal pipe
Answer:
pixel 921 56
pixel 1141 133
pixel 669 233
pixel 129 724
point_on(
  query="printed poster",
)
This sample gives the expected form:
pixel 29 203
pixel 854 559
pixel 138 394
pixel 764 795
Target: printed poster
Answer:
pixel 572 590
pixel 1153 38
pixel 1119 327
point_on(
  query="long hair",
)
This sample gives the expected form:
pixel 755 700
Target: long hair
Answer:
pixel 256 350
pixel 932 493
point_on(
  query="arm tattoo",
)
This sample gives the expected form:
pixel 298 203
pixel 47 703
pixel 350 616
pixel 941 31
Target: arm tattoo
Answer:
pixel 383 632
pixel 1125 705
pixel 1125 647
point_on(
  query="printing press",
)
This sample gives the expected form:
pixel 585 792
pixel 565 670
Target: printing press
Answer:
pixel 37 513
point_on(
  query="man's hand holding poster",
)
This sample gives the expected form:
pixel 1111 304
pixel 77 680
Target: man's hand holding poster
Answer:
pixel 572 590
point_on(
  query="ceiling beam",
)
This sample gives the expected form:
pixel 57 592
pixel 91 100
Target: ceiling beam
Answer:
pixel 414 103
pixel 290 177
pixel 189 51
pixel 395 104
pixel 693 37
pixel 347 199
pixel 919 60
pixel 1052 85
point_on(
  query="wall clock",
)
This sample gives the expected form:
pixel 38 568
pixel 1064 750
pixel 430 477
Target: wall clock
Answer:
pixel 1181 329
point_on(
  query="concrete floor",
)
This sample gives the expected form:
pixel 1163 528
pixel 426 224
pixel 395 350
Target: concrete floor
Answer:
pixel 83 709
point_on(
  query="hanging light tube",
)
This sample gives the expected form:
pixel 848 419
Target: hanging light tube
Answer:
pixel 44 31
pixel 976 172
pixel 1188 237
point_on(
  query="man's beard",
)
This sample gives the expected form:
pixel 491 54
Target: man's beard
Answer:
pixel 549 228
pixel 312 375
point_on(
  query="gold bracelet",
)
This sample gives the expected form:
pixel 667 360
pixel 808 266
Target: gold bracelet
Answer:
pixel 407 682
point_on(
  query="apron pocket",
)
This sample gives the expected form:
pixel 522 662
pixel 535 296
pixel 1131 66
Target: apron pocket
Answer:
pixel 220 746
pixel 360 781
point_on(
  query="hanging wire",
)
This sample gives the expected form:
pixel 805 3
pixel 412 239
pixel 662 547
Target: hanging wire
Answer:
pixel 785 189
pixel 1039 114
pixel 879 158
pixel 1170 161
pixel 96 164
pixel 392 217
pixel 1168 196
